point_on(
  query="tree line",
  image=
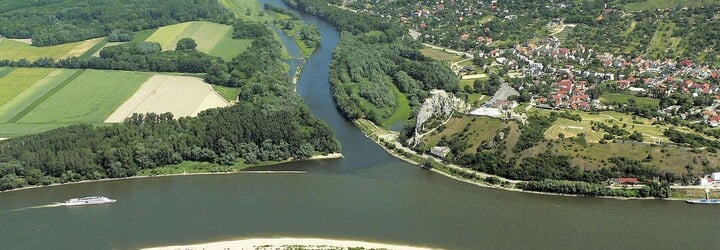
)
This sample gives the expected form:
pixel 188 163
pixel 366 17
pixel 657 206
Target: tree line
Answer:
pixel 57 22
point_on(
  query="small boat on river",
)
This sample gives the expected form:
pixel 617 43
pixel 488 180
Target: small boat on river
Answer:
pixel 91 200
pixel 707 199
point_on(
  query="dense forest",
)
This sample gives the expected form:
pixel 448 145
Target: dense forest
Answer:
pixel 372 60
pixel 245 132
pixel 51 22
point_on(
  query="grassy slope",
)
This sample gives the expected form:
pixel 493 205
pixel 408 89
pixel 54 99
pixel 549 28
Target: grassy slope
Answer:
pixel 662 4
pixel 18 81
pixel 230 94
pixel 34 93
pixel 592 156
pixel 480 129
pixel 92 97
pixel 623 98
pixel 12 50
pixel 440 55
pixel 402 112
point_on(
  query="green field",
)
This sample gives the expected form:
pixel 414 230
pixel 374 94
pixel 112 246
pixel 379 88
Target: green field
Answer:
pixel 663 4
pixel 13 50
pixel 18 80
pixel 91 97
pixel 37 89
pixel 212 38
pixel 650 103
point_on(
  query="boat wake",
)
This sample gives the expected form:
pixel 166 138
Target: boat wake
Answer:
pixel 34 207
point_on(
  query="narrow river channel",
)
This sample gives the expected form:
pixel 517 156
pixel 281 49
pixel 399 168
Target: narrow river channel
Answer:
pixel 367 196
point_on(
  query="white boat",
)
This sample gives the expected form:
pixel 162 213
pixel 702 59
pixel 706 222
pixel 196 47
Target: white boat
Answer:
pixel 91 200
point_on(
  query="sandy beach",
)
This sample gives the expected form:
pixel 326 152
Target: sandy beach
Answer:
pixel 286 243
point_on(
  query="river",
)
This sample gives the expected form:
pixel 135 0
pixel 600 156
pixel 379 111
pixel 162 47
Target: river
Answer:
pixel 367 196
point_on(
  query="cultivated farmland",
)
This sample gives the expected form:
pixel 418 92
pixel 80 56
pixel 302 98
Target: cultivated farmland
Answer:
pixel 180 95
pixel 15 50
pixel 34 100
pixel 212 38
pixel 91 97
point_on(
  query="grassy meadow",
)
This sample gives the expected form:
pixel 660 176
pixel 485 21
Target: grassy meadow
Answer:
pixel 609 98
pixel 18 80
pixel 91 97
pixel 212 38
pixel 23 102
pixel 14 50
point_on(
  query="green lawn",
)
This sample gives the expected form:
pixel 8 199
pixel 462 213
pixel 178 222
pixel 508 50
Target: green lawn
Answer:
pixel 18 80
pixel 402 112
pixel 12 50
pixel 35 92
pixel 624 98
pixel 212 38
pixel 91 97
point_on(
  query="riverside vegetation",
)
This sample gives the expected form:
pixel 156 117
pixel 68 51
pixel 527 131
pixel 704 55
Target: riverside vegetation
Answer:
pixel 268 123
pixel 363 87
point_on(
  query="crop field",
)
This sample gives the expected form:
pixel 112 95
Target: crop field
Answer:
pixel 36 89
pixel 14 50
pixel 18 80
pixel 91 97
pixel 180 95
pixel 39 99
pixel 212 38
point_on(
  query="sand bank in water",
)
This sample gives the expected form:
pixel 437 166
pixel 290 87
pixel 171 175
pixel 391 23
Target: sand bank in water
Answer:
pixel 286 243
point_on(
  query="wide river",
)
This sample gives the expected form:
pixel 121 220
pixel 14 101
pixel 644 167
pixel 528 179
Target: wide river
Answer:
pixel 368 196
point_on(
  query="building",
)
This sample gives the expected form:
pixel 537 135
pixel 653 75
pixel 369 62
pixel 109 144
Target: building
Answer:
pixel 440 151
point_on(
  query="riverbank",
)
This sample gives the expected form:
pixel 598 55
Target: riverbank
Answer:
pixel 388 141
pixel 236 170
pixel 288 243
